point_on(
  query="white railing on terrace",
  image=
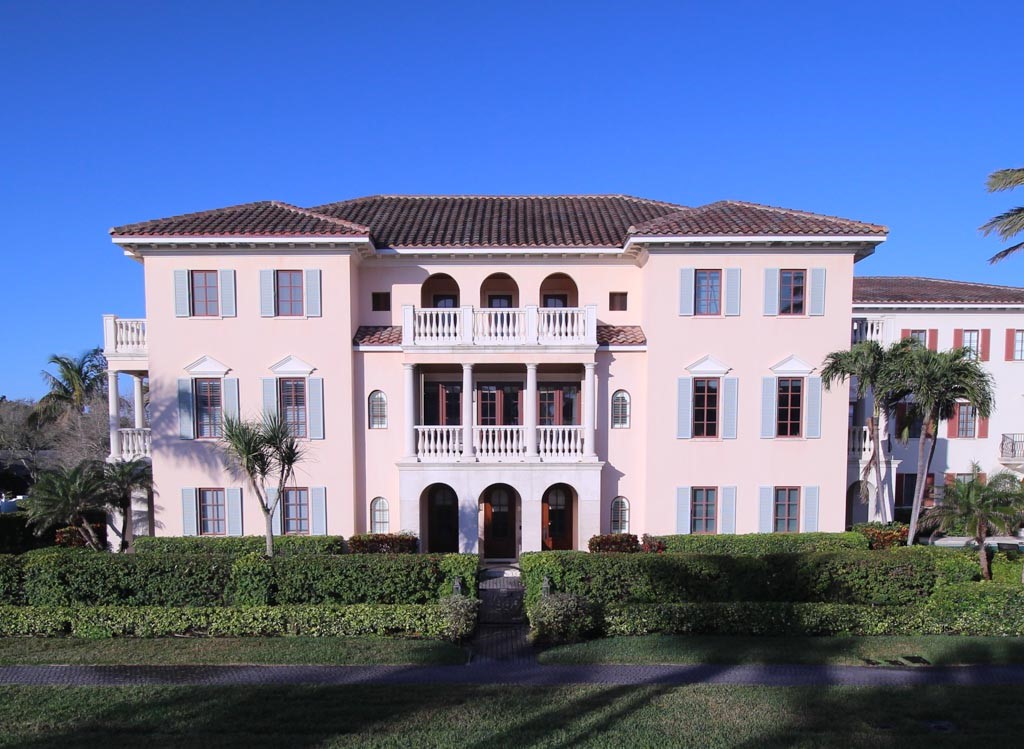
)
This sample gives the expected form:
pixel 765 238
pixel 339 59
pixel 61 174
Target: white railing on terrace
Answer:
pixel 437 326
pixel 1011 447
pixel 560 442
pixel 481 326
pixel 865 329
pixel 438 443
pixel 135 443
pixel 562 325
pixel 499 443
pixel 496 327
pixel 123 336
pixel 859 444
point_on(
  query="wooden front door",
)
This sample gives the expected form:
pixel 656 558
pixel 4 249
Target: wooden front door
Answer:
pixel 556 518
pixel 442 520
pixel 499 523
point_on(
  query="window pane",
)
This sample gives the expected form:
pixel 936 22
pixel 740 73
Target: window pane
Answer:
pixel 212 513
pixel 787 505
pixel 293 405
pixel 379 410
pixel 1018 345
pixel 703 510
pixel 379 520
pixel 791 292
pixel 620 410
pixel 204 293
pixel 620 515
pixel 296 512
pixel 705 407
pixel 289 293
pixel 708 292
pixel 209 408
pixel 789 406
pixel 971 343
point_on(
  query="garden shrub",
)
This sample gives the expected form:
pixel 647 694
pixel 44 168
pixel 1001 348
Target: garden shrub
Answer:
pixel 1006 567
pixel 283 545
pixel 384 543
pixel 562 617
pixel 985 608
pixel 10 579
pixel 883 535
pixel 764 543
pixel 16 536
pixel 625 543
pixel 952 564
pixel 652 544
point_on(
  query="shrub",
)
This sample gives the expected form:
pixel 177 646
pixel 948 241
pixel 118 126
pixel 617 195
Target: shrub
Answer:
pixel 1006 566
pixel 952 565
pixel 562 617
pixel 652 544
pixel 460 613
pixel 625 543
pixel 10 579
pixel 16 536
pixel 71 538
pixel 883 535
pixel 283 545
pixel 985 608
pixel 764 543
pixel 384 543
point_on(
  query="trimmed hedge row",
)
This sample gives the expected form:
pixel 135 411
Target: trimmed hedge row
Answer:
pixel 452 618
pixel 283 545
pixel 763 543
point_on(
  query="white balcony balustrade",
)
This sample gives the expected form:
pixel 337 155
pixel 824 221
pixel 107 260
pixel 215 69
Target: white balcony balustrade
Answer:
pixel 135 443
pixel 496 444
pixel 560 442
pixel 477 326
pixel 499 327
pixel 1011 451
pixel 124 337
pixel 437 327
pixel 865 329
pixel 859 445
pixel 438 444
pixel 562 325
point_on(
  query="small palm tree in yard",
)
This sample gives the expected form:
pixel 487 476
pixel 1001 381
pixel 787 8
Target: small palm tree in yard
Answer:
pixel 266 453
pixel 65 496
pixel 121 480
pixel 78 380
pixel 985 508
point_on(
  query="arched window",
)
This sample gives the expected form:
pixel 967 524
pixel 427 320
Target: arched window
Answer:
pixel 378 410
pixel 620 515
pixel 620 410
pixel 379 521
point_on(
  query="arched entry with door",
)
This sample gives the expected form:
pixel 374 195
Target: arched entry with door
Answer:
pixel 442 510
pixel 500 506
pixel 556 523
pixel 858 501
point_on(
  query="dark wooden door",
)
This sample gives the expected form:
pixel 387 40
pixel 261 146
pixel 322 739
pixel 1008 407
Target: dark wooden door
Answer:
pixel 556 518
pixel 500 523
pixel 442 521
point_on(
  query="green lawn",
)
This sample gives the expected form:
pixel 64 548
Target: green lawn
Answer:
pixel 174 651
pixel 488 717
pixel 936 650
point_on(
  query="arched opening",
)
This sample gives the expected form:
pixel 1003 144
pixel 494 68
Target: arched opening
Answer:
pixel 441 504
pixel 620 515
pixel 559 290
pixel 620 410
pixel 500 506
pixel 557 521
pixel 499 291
pixel 439 291
pixel 380 520
pixel 857 504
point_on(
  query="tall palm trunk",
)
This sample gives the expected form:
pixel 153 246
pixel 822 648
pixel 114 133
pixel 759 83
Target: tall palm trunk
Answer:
pixel 127 528
pixel 986 570
pixel 881 508
pixel 268 518
pixel 922 478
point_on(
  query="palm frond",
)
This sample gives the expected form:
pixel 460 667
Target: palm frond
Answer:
pixel 1004 179
pixel 1003 254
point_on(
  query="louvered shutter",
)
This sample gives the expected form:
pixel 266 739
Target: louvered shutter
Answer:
pixel 768 415
pixel 732 292
pixel 683 510
pixel 189 511
pixel 728 524
pixel 771 291
pixel 269 385
pixel 686 281
pixel 312 278
pixel 684 408
pixel 267 293
pixel 810 509
pixel 234 511
pixel 315 399
pixel 813 409
pixel 182 306
pixel 227 293
pixel 817 306
pixel 730 412
pixel 186 420
pixel 765 509
pixel 318 511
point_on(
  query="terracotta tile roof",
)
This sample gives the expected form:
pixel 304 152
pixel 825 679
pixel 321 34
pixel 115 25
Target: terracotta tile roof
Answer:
pixel 732 217
pixel 914 290
pixel 620 335
pixel 498 220
pixel 268 218
pixel 378 335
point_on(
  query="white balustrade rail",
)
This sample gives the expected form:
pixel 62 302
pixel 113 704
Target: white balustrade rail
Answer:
pixel 562 325
pixel 501 326
pixel 859 444
pixel 494 443
pixel 135 443
pixel 560 442
pixel 437 326
pixel 1011 447
pixel 438 443
pixel 124 336
pixel 865 329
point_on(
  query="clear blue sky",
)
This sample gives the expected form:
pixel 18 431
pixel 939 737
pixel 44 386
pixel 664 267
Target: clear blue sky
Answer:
pixel 892 112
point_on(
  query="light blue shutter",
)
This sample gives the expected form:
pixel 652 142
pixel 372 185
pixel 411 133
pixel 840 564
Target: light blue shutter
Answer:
pixel 684 415
pixel 266 293
pixel 730 397
pixel 312 293
pixel 728 524
pixel 768 415
pixel 231 410
pixel 817 291
pixel 318 511
pixel 732 292
pixel 813 409
pixel 771 291
pixel 275 518
pixel 269 396
pixel 810 509
pixel 181 300
pixel 766 511
pixel 686 276
pixel 227 293
pixel 186 421
pixel 315 400
pixel 234 511
pixel 683 509
pixel 189 512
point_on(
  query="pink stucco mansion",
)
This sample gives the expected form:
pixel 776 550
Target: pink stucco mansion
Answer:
pixel 497 374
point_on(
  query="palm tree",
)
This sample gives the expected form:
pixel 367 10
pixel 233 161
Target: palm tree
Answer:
pixel 984 507
pixel 65 496
pixel 937 382
pixel 121 479
pixel 866 361
pixel 78 379
pixel 267 453
pixel 1009 223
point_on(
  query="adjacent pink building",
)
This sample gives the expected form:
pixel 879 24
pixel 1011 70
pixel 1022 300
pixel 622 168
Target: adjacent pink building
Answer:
pixel 498 374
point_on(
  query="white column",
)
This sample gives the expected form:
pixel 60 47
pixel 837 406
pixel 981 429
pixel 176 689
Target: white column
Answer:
pixel 139 406
pixel 114 415
pixel 467 412
pixel 530 411
pixel 589 411
pixel 410 410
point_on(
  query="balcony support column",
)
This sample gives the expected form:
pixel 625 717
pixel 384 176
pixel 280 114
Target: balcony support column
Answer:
pixel 139 405
pixel 467 411
pixel 589 411
pixel 530 412
pixel 410 410
pixel 114 414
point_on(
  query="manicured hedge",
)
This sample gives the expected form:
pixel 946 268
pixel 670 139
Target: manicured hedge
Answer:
pixel 384 543
pixel 952 565
pixel 764 543
pixel 450 619
pixel 10 579
pixel 283 545
pixel 985 608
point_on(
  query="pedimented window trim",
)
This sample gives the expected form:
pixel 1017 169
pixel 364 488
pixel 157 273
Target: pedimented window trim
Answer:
pixel 708 365
pixel 792 365
pixel 292 366
pixel 207 366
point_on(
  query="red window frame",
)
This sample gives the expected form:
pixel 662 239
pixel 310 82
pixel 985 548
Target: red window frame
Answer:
pixel 557 395
pixel 209 397
pixel 205 289
pixel 706 392
pixel 445 399
pixel 789 406
pixel 492 394
pixel 289 293
pixel 707 296
pixel 704 510
pixel 292 404
pixel 295 511
pixel 618 301
pixel 212 512
pixel 792 289
pixel 786 509
pixel 966 421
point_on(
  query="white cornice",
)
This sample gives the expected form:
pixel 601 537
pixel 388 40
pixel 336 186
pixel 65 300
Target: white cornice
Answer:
pixel 792 365
pixel 242 239
pixel 207 366
pixel 292 365
pixel 708 365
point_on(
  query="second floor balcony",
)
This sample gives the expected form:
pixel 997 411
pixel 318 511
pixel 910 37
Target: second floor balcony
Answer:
pixel 502 326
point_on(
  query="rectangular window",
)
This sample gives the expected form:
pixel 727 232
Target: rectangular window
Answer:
pixel 499 301
pixel 442 403
pixel 966 421
pixel 707 292
pixel 445 301
pixel 792 289
pixel 790 407
pixel 919 336
pixel 380 301
pixel 499 405
pixel 558 404
pixel 289 293
pixel 204 293
pixel 787 510
pixel 1018 345
pixel 705 407
pixel 971 342
pixel 964 478
pixel 293 404
pixel 617 301
pixel 209 408
pixel 704 510
pixel 295 512
pixel 554 300
pixel 212 515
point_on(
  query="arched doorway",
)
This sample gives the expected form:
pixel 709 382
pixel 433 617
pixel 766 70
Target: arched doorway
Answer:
pixel 559 290
pixel 857 505
pixel 499 291
pixel 556 520
pixel 439 291
pixel 442 505
pixel 499 504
